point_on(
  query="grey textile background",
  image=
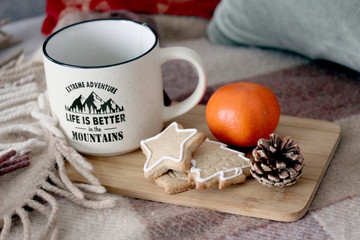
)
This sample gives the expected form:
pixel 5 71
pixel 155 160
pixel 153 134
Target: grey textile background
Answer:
pixel 321 29
pixel 18 9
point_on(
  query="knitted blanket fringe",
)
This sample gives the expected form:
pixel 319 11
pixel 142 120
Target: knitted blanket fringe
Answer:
pixel 20 97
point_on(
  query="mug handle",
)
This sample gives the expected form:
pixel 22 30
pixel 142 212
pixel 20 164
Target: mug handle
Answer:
pixel 187 54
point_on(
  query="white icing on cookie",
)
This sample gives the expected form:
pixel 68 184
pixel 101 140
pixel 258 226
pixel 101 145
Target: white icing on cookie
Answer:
pixel 237 170
pixel 143 143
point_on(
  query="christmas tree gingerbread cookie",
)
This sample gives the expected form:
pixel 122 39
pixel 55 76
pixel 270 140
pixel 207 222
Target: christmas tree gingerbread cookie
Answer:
pixel 215 164
pixel 170 150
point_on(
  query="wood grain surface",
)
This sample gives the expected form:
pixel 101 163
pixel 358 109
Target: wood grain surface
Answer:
pixel 123 174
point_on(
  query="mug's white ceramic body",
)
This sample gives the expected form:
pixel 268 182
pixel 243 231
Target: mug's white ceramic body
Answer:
pixel 105 86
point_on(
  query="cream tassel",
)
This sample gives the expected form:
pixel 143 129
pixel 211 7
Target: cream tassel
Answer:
pixel 16 112
pixel 48 122
pixel 20 67
pixel 21 91
pixel 104 203
pixel 19 84
pixel 21 71
pixel 51 224
pixel 32 142
pixel 56 180
pixel 83 171
pixel 91 188
pixel 32 128
pixel 17 100
pixel 80 167
pixel 64 178
pixel 26 223
pixel 47 213
pixel 6 228
pixel 70 154
pixel 81 186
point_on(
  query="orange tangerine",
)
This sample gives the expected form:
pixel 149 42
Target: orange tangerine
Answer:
pixel 241 113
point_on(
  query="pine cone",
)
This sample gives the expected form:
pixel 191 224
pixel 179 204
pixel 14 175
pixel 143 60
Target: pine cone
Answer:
pixel 277 162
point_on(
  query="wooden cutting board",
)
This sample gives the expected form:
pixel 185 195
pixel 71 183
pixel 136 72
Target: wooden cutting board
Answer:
pixel 123 174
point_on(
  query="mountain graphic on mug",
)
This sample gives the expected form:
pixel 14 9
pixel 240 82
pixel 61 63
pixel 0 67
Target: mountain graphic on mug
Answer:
pixel 93 104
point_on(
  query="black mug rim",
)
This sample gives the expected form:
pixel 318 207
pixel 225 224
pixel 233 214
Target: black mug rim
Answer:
pixel 100 66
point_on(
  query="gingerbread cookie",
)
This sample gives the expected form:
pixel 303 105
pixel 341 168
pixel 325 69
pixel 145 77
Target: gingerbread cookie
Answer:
pixel 174 182
pixel 170 150
pixel 213 163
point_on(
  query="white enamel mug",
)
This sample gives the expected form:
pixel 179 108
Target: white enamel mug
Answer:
pixel 105 85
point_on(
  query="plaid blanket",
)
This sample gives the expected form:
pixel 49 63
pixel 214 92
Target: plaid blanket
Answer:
pixel 304 88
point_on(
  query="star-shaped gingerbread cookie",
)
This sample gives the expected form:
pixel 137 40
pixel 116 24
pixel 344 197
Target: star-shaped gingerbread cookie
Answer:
pixel 213 163
pixel 170 150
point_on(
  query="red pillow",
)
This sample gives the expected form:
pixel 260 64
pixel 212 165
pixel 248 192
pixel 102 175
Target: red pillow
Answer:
pixel 56 9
